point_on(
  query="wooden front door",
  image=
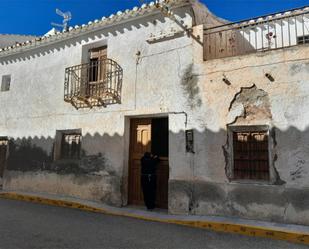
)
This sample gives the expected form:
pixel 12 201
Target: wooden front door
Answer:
pixel 141 142
pixel 162 183
pixel 3 156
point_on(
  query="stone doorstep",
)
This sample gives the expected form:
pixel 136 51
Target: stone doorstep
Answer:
pixel 287 232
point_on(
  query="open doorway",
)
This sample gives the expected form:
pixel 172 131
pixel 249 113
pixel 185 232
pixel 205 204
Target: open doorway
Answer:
pixel 148 135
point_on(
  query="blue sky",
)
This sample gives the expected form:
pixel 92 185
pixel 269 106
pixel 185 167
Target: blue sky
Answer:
pixel 34 16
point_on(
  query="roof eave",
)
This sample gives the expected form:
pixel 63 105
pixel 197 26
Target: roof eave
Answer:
pixel 94 27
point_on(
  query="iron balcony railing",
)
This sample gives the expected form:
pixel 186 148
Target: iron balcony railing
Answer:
pixel 265 33
pixel 97 83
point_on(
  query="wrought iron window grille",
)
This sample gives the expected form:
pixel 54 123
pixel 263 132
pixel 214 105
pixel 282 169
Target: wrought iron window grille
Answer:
pixel 251 156
pixel 97 83
pixel 71 146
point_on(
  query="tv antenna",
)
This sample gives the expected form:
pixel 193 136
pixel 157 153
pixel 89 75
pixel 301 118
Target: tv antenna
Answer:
pixel 67 16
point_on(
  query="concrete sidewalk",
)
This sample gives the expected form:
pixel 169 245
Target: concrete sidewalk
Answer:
pixel 291 233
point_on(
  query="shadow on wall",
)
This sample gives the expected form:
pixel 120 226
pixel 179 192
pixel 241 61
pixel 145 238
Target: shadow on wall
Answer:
pixel 100 174
pixel 208 189
pixel 104 33
pixel 27 154
pixel 95 174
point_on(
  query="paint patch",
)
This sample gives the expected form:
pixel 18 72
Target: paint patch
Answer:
pixel 299 165
pixel 189 83
pixel 254 105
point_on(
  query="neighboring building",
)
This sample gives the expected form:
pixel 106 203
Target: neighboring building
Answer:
pixel 223 104
pixel 10 40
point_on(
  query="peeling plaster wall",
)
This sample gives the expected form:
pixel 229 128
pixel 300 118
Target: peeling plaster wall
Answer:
pixel 169 78
pixel 35 109
pixel 204 186
pixel 91 187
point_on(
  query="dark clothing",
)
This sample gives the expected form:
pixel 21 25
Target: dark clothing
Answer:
pixel 149 184
pixel 149 180
pixel 149 165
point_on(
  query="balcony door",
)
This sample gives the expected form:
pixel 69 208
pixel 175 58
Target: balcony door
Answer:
pixel 97 71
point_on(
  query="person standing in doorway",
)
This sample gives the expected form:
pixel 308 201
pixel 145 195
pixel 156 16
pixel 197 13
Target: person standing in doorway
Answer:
pixel 149 179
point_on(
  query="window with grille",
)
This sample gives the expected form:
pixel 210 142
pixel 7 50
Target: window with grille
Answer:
pixel 70 146
pixel 251 155
pixel 67 144
pixel 5 83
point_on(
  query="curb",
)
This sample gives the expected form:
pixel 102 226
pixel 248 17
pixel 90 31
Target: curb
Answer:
pixel 255 231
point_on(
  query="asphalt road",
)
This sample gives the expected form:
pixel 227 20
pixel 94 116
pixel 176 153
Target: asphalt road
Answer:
pixel 26 225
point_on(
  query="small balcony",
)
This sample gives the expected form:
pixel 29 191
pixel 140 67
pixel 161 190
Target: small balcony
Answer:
pixel 97 83
pixel 276 31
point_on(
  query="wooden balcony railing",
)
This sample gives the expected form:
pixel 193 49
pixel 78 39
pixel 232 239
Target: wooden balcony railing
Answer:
pixel 97 83
pixel 275 31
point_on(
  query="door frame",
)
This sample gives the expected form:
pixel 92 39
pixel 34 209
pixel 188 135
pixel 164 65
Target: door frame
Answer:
pixel 127 136
pixel 5 139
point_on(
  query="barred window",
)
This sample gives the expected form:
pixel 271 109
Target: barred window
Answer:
pixel 68 144
pixel 251 155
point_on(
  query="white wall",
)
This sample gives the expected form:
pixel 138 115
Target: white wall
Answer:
pixel 200 184
pixel 169 79
pixel 34 107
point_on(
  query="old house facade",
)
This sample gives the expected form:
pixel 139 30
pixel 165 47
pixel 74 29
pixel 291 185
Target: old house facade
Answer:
pixel 223 105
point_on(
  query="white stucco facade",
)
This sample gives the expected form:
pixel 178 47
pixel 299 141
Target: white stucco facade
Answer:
pixel 164 77
pixel 35 108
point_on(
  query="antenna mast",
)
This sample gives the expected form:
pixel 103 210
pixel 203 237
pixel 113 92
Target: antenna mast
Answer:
pixel 67 16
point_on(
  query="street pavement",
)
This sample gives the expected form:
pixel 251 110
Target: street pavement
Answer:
pixel 26 225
